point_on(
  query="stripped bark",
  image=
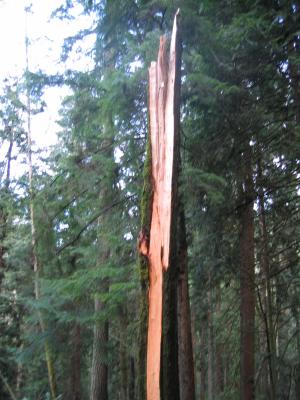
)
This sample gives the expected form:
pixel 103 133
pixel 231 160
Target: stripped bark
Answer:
pixel 143 264
pixel 160 246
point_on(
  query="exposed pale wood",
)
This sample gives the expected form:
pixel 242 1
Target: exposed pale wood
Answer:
pixel 163 117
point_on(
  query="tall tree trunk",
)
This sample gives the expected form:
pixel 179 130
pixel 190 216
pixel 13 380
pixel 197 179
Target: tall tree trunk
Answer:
pixel 124 370
pixel 99 372
pixel 131 388
pixel 3 211
pixel 295 313
pixel 210 347
pixel 185 345
pixel 160 247
pixel 75 361
pixel 3 219
pixel 247 274
pixel 202 358
pixel 267 295
pixel 35 261
pixel 169 378
pixel 219 351
pixel 293 47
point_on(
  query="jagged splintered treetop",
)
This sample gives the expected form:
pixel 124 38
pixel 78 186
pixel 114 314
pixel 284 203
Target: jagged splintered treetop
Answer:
pixel 162 96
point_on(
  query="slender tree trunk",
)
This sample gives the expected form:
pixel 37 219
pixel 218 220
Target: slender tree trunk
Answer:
pixel 267 295
pixel 3 213
pixel 210 347
pixel 75 375
pixel 20 377
pixel 36 266
pixel 8 166
pixel 247 284
pixel 202 358
pixel 185 345
pixel 297 379
pixel 132 380
pixel 263 386
pixel 2 248
pixel 297 366
pixel 99 370
pixel 293 54
pixel 219 352
pixel 124 370
pixel 99 373
pixel 3 235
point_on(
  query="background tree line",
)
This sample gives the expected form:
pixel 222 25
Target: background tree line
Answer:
pixel 69 283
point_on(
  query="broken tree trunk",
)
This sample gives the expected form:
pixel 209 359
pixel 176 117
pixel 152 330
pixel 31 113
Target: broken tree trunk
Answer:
pixel 143 264
pixel 159 245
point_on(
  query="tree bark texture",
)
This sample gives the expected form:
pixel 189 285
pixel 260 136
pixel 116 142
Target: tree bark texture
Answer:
pixel 131 388
pixel 160 247
pixel 267 295
pixel 3 223
pixel 219 351
pixel 292 24
pixel 202 358
pixel 99 373
pixel 75 361
pixel 185 345
pixel 295 314
pixel 247 288
pixel 123 356
pixel 3 212
pixel 210 346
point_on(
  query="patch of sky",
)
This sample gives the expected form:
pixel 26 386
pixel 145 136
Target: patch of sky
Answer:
pixel 45 37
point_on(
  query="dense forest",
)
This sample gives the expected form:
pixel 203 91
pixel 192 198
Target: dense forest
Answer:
pixel 73 286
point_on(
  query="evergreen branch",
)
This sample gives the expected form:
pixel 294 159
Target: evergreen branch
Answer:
pixel 80 159
pixel 74 198
pixel 92 220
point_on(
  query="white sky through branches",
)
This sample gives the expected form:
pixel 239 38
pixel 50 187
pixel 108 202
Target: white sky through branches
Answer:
pixel 45 42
